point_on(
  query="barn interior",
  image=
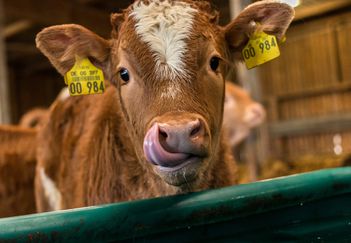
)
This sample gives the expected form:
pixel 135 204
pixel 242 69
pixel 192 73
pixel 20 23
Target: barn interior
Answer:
pixel 306 91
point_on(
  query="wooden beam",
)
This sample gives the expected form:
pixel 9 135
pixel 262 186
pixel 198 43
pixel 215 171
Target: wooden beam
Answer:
pixel 334 87
pixel 254 146
pixel 16 27
pixel 5 115
pixel 331 123
pixel 321 7
pixel 51 12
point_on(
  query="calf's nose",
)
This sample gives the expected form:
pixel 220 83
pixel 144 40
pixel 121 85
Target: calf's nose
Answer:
pixel 171 143
pixel 255 115
pixel 182 137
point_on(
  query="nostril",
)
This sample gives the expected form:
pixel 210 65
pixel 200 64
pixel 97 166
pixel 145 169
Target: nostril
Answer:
pixel 196 128
pixel 163 134
pixel 257 110
pixel 195 131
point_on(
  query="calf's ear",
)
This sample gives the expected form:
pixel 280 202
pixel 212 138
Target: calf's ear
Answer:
pixel 272 17
pixel 62 43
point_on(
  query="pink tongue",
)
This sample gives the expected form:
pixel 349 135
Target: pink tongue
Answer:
pixel 156 154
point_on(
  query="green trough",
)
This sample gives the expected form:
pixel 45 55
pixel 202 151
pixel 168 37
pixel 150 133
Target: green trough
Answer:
pixel 310 207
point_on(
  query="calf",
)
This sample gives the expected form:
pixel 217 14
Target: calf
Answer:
pixel 241 114
pixel 18 161
pixel 157 128
pixel 36 117
pixel 17 156
pixel 33 118
pixel 17 169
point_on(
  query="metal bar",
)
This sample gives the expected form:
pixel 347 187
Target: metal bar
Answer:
pixel 296 208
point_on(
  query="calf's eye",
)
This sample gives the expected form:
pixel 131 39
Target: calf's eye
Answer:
pixel 214 63
pixel 124 74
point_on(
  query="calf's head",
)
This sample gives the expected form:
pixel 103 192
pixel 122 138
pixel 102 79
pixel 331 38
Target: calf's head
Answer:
pixel 168 60
pixel 241 114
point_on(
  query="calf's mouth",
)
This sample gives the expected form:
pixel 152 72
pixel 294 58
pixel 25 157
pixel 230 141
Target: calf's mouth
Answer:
pixel 177 150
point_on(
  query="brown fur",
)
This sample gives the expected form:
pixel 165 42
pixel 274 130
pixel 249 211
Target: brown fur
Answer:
pixel 17 166
pixel 92 146
pixel 22 161
pixel 102 137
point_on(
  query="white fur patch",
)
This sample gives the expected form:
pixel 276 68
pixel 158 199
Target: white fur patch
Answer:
pixel 51 192
pixel 165 26
pixel 230 103
pixel 64 94
pixel 172 91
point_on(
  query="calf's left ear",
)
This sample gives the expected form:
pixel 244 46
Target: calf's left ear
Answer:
pixel 62 43
pixel 272 17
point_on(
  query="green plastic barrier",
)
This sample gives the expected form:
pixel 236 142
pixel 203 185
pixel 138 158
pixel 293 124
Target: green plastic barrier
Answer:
pixel 310 207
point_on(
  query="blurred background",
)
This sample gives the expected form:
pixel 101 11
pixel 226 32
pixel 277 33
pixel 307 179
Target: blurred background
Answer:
pixel 306 91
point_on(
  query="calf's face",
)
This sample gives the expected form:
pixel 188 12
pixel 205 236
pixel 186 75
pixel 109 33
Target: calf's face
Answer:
pixel 170 74
pixel 241 114
pixel 168 60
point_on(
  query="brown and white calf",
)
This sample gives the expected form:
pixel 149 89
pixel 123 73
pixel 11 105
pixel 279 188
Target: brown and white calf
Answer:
pixel 157 128
pixel 241 114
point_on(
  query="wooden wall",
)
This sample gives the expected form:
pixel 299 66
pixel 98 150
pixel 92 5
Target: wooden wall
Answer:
pixel 307 90
pixel 32 90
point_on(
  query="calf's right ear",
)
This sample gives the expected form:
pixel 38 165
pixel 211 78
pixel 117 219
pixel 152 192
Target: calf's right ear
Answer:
pixel 62 43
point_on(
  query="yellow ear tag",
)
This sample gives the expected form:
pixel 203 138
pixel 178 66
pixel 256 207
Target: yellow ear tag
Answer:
pixel 84 78
pixel 261 48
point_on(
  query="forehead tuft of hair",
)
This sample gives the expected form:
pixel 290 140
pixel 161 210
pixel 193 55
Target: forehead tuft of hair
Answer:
pixel 204 6
pixel 165 26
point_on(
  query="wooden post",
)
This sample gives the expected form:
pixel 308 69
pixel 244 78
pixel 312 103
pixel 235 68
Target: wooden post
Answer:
pixel 255 147
pixel 5 116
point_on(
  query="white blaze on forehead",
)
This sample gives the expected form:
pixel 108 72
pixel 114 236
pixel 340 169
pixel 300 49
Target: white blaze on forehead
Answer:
pixel 51 192
pixel 165 26
pixel 171 92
